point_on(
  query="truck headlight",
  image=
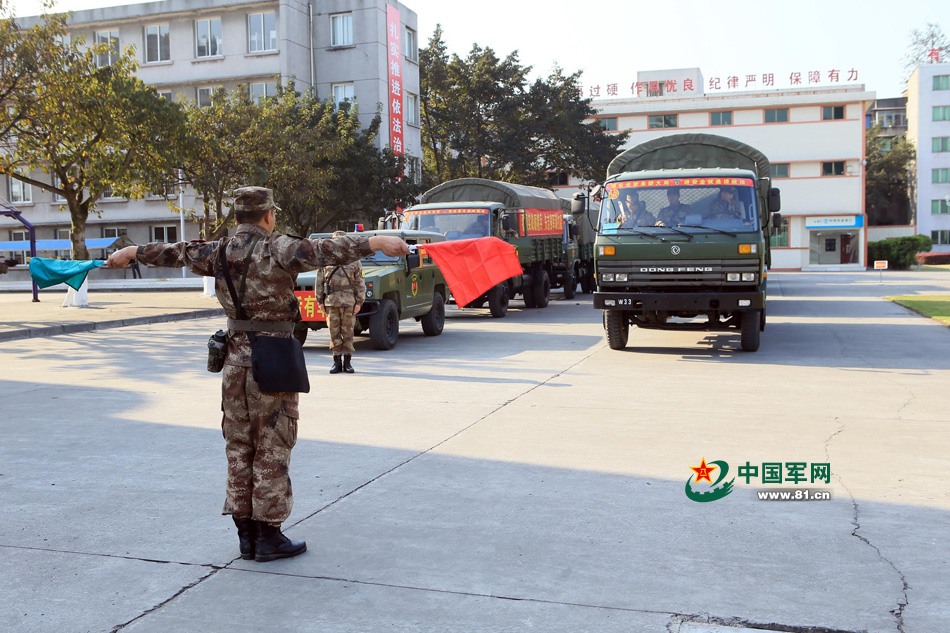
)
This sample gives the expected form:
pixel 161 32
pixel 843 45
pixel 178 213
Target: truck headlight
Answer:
pixel 621 277
pixel 369 293
pixel 744 303
pixel 732 276
pixel 748 276
pixel 607 277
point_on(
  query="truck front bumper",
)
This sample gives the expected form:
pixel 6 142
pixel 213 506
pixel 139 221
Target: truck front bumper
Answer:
pixel 680 301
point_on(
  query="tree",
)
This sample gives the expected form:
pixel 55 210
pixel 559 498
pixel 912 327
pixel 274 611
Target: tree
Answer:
pixel 888 178
pixel 922 43
pixel 481 118
pixel 93 129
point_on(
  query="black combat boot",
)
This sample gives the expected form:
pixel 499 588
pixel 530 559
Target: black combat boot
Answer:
pixel 337 364
pixel 272 544
pixel 247 534
pixel 347 367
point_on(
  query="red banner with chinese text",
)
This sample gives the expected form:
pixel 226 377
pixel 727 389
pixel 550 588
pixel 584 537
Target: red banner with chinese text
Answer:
pixel 394 46
pixel 540 222
pixel 309 308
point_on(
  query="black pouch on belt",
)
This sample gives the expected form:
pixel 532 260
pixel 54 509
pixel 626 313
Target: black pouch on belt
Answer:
pixel 276 363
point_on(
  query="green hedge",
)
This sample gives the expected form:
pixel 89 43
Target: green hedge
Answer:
pixel 900 252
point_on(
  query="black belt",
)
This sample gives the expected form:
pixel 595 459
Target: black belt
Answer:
pixel 260 326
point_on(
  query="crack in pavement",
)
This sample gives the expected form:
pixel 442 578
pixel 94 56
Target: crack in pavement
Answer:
pixel 101 555
pixel 705 618
pixel 903 601
pixel 166 601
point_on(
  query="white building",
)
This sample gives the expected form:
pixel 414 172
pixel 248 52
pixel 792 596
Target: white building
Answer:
pixel 188 48
pixel 928 128
pixel 813 137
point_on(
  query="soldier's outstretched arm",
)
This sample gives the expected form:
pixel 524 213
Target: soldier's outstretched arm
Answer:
pixel 196 256
pixel 298 254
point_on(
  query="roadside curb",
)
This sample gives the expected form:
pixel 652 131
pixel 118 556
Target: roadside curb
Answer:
pixel 72 328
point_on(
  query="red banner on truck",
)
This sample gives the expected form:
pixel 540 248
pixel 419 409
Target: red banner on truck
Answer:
pixel 540 222
pixel 309 308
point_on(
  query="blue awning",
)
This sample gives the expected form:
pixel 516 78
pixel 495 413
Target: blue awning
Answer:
pixel 56 245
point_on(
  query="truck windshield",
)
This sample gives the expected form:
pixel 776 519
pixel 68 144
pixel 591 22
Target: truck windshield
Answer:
pixel 694 205
pixel 454 224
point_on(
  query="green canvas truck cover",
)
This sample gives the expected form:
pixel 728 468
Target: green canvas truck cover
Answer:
pixel 482 190
pixel 689 151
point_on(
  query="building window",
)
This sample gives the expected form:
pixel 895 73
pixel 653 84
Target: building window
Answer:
pixel 110 54
pixel 720 118
pixel 656 121
pixel 779 236
pixel 341 29
pixel 891 119
pixel 941 176
pixel 62 40
pixel 156 44
pixel 941 82
pixel 208 41
pixel 777 115
pixel 260 91
pixel 164 234
pixel 558 178
pixel 205 96
pixel 608 125
pixel 261 32
pixel 59 185
pixel 20 192
pixel 833 168
pixel 411 107
pixel 165 95
pixel 939 206
pixel 941 113
pixel 411 46
pixel 109 194
pixel 20 236
pixel 414 168
pixel 343 92
pixel 940 237
pixel 62 234
pixel 941 143
pixel 832 113
pixel 780 170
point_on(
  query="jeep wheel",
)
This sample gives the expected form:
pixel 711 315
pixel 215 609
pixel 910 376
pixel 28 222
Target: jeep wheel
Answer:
pixel 570 284
pixel 617 328
pixel 434 320
pixel 751 327
pixel 498 300
pixel 542 290
pixel 384 325
pixel 300 333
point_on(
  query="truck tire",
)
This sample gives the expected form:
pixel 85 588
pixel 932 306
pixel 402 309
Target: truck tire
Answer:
pixel 384 326
pixel 617 328
pixel 527 294
pixel 498 300
pixel 751 327
pixel 570 284
pixel 587 280
pixel 542 290
pixel 434 320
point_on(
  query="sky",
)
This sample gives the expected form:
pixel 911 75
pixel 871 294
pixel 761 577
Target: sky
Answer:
pixel 611 41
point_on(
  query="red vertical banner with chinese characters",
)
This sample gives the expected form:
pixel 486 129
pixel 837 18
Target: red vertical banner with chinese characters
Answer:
pixel 394 46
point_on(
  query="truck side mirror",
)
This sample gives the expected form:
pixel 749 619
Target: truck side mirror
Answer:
pixel 776 219
pixel 578 203
pixel 412 261
pixel 775 199
pixel 575 230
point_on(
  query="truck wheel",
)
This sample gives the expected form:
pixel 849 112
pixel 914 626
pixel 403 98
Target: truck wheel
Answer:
pixel 528 296
pixel 300 333
pixel 434 320
pixel 587 281
pixel 570 285
pixel 617 328
pixel 751 327
pixel 498 300
pixel 542 290
pixel 384 325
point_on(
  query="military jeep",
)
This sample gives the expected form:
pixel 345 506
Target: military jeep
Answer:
pixel 396 288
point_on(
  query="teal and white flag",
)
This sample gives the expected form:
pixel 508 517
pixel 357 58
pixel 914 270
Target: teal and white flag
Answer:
pixel 49 272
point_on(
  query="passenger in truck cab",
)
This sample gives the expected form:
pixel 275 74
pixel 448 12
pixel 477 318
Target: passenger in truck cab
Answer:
pixel 479 226
pixel 676 212
pixel 727 206
pixel 634 213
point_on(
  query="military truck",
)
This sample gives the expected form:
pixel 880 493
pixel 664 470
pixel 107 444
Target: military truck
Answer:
pixel 585 217
pixel 530 218
pixel 700 247
pixel 397 288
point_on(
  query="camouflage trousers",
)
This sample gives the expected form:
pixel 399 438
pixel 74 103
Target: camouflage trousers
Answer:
pixel 260 429
pixel 341 321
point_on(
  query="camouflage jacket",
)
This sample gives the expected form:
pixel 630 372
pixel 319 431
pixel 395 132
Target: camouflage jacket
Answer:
pixel 272 272
pixel 341 285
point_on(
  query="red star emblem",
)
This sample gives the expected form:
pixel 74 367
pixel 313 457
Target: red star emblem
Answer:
pixel 703 471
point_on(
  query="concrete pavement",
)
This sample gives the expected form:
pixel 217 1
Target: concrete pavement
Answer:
pixel 508 475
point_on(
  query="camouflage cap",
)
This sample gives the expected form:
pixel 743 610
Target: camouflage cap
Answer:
pixel 250 199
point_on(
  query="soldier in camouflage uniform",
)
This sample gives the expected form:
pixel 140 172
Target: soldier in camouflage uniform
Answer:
pixel 260 428
pixel 340 292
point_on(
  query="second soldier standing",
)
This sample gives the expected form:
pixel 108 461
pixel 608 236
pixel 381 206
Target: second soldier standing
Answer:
pixel 340 297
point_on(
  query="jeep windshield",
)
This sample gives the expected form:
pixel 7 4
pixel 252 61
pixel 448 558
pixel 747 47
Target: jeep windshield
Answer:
pixel 454 224
pixel 681 205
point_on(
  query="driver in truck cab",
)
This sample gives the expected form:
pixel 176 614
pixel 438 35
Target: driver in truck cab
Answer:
pixel 676 212
pixel 634 212
pixel 727 206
